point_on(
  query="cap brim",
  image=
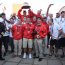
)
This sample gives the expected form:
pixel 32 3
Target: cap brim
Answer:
pixel 25 7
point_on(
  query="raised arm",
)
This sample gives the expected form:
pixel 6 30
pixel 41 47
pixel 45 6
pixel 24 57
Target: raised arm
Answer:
pixel 19 13
pixel 48 9
pixel 39 12
pixel 31 13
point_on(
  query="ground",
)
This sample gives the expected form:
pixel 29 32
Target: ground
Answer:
pixel 9 60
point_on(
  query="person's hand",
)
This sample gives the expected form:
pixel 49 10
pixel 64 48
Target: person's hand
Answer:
pixel 21 8
pixel 50 5
pixel 38 36
pixel 29 9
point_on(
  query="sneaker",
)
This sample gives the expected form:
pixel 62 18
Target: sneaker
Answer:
pixel 40 59
pixel 30 56
pixel 5 53
pixel 56 55
pixel 24 56
pixel 62 56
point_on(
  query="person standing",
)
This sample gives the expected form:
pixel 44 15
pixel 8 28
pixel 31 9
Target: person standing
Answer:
pixel 21 16
pixel 55 30
pixel 28 37
pixel 62 36
pixel 41 32
pixel 5 37
pixel 2 30
pixel 11 42
pixel 62 40
pixel 17 31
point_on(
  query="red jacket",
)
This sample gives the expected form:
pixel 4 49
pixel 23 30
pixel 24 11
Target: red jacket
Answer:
pixel 47 26
pixel 32 14
pixel 20 15
pixel 28 30
pixel 41 30
pixel 17 32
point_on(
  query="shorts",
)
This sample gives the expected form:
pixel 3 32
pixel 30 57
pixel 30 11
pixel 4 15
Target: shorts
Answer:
pixel 27 41
pixel 54 42
pixel 62 42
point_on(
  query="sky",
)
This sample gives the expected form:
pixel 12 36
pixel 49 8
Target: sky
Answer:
pixel 35 5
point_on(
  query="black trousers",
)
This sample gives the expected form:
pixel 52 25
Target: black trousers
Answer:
pixel 48 38
pixel 0 47
pixel 5 40
pixel 11 43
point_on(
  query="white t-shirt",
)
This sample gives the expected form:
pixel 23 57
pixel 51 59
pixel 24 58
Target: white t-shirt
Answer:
pixel 48 19
pixel 63 28
pixel 10 26
pixel 57 20
pixel 16 20
pixel 62 22
pixel 55 30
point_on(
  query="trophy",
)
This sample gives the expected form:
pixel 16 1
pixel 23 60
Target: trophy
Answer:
pixel 25 5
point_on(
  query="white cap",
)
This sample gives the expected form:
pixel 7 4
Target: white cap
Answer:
pixel 1 20
pixel 25 4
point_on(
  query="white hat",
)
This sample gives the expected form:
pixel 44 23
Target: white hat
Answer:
pixel 1 20
pixel 25 4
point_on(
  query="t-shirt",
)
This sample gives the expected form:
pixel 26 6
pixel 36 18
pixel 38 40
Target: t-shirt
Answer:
pixel 62 20
pixel 10 33
pixel 55 30
pixel 49 19
pixel 63 29
pixel 57 20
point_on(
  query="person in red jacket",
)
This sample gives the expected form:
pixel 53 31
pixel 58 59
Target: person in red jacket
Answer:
pixel 17 31
pixel 21 16
pixel 28 37
pixel 44 22
pixel 33 16
pixel 41 30
pixel 46 38
pixel 39 14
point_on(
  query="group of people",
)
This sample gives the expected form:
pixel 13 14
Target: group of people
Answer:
pixel 26 33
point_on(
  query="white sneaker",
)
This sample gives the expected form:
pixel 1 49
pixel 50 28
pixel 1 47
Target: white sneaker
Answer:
pixel 24 56
pixel 30 56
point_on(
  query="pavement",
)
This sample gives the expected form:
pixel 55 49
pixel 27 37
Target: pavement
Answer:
pixel 47 60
